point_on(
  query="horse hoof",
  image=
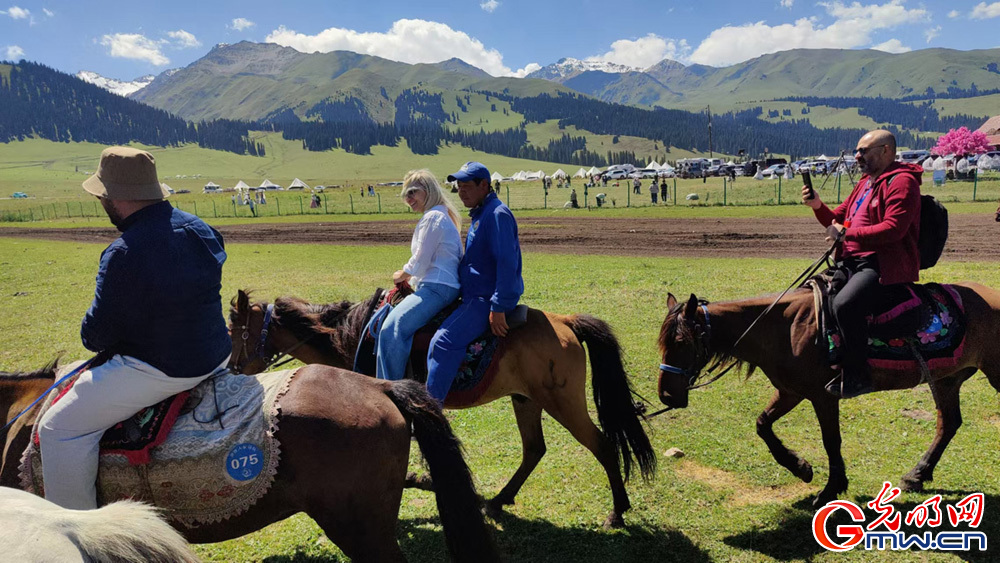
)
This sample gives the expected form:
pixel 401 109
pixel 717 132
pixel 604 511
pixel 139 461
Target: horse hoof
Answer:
pixel 422 482
pixel 911 484
pixel 494 508
pixel 613 521
pixel 804 471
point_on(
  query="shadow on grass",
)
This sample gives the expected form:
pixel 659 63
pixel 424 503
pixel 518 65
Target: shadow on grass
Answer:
pixel 792 538
pixel 539 540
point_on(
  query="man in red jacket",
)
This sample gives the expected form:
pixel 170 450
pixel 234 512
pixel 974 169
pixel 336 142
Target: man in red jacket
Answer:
pixel 878 224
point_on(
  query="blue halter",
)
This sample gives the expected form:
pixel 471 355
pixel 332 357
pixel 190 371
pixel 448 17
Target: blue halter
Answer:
pixel 692 372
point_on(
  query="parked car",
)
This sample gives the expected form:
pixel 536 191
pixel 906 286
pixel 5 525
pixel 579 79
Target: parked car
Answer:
pixel 648 173
pixel 775 169
pixel 615 174
pixel 19 195
pixel 912 156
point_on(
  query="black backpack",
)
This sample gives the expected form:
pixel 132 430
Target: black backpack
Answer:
pixel 933 231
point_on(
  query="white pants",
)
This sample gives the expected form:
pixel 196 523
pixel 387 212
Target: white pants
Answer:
pixel 71 431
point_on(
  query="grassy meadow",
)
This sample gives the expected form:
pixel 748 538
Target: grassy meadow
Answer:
pixel 725 500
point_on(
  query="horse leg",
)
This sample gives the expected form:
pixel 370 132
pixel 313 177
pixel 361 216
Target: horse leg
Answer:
pixel 363 532
pixel 529 423
pixel 828 413
pixel 781 404
pixel 949 418
pixel 572 414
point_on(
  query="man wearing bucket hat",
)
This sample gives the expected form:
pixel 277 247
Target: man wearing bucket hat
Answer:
pixel 489 275
pixel 156 320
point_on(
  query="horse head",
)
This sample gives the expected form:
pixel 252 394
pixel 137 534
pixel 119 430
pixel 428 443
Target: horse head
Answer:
pixel 683 351
pixel 997 217
pixel 252 349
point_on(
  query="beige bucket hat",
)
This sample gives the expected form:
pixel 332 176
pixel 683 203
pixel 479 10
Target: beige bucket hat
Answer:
pixel 126 174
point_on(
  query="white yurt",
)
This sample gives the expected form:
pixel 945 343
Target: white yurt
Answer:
pixel 559 174
pixel 653 165
pixel 581 173
pixel 298 184
pixel 594 171
pixel 496 176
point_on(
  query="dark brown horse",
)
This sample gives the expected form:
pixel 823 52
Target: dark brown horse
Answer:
pixel 544 368
pixel 345 442
pixel 997 216
pixel 783 346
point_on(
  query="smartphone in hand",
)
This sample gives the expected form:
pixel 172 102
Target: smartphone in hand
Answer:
pixel 807 180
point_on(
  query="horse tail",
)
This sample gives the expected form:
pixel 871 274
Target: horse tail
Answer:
pixel 127 531
pixel 616 411
pixel 458 504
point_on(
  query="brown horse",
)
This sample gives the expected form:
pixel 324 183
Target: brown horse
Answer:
pixel 345 442
pixel 783 346
pixel 544 368
pixel 997 216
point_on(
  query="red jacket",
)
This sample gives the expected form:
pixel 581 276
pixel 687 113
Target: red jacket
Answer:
pixel 894 207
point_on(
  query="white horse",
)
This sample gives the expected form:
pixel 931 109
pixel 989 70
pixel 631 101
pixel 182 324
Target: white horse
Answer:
pixel 34 529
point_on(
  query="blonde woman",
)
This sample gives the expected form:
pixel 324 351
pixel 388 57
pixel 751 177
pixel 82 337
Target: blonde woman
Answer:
pixel 432 271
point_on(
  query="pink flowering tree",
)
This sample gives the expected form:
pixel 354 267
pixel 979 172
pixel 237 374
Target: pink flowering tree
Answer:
pixel 961 142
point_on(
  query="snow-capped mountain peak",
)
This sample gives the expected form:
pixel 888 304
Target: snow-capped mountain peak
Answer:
pixel 114 85
pixel 569 67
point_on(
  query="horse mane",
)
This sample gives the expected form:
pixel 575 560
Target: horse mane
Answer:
pixel 673 330
pixel 340 322
pixel 47 372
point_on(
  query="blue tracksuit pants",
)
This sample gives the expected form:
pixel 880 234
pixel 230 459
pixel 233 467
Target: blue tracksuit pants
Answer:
pixel 448 346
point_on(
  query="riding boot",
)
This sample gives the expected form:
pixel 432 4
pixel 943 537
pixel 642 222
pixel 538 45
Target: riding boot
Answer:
pixel 851 382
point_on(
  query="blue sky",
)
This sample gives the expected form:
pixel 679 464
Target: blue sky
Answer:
pixel 503 37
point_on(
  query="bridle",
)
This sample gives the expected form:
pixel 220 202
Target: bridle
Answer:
pixel 701 340
pixel 243 357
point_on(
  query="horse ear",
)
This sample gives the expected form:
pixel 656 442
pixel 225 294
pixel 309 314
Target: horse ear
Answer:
pixel 671 301
pixel 242 300
pixel 691 309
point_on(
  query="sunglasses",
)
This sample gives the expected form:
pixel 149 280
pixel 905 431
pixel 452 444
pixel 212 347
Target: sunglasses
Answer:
pixel 410 193
pixel 861 151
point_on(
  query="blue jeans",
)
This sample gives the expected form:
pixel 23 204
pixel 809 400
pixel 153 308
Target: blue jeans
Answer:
pixel 396 337
pixel 448 346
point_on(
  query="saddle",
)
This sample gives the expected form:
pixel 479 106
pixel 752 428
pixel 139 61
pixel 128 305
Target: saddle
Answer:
pixel 482 357
pixel 915 326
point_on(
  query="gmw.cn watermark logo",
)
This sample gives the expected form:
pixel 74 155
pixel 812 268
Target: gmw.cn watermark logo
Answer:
pixel 885 531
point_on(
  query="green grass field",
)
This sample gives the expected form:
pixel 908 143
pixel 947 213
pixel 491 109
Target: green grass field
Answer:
pixel 725 500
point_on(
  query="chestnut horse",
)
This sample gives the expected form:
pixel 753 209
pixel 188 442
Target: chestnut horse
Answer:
pixel 345 442
pixel 544 368
pixel 783 345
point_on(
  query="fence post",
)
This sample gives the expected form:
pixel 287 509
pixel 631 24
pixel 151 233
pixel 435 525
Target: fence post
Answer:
pixel 379 196
pixel 975 183
pixel 779 190
pixel 68 213
pixel 351 196
pixel 724 194
pixel 838 188
pixel 326 205
pixel 508 196
pixel 675 190
pixel 196 209
pixel 215 211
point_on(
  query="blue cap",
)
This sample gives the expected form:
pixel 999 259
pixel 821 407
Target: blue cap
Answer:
pixel 470 171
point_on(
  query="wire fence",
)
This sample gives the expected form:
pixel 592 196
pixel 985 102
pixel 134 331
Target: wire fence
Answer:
pixel 520 195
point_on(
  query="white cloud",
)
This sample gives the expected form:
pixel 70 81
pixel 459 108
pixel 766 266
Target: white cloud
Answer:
pixel 984 11
pixel 787 3
pixel 954 14
pixel 48 12
pixel 932 32
pixel 528 69
pixel 239 24
pixel 892 46
pixel 853 26
pixel 408 41
pixel 489 5
pixel 14 53
pixel 134 46
pixel 17 13
pixel 645 51
pixel 183 39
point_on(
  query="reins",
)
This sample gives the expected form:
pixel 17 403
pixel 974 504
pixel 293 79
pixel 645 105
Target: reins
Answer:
pixel 695 373
pixel 59 382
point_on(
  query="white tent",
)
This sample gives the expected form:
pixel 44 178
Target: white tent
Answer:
pixel 241 186
pixel 533 176
pixel 296 183
pixel 985 162
pixel 269 185
pixel 928 164
pixel 559 174
pixel 594 171
pixel 496 176
pixel 581 173
pixel 940 164
pixel 962 166
pixel 653 165
pixel 212 186
pixel 540 174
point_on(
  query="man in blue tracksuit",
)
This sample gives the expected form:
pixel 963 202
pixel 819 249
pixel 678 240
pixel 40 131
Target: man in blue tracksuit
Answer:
pixel 490 276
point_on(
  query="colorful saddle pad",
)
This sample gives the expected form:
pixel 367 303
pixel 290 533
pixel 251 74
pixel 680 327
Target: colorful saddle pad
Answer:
pixel 927 318
pixel 475 374
pixel 219 458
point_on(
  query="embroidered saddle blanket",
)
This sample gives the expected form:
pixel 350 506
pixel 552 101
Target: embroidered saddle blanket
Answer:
pixel 478 369
pixel 913 319
pixel 216 460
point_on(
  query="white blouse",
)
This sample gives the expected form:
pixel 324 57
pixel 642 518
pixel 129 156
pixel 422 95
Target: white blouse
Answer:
pixel 436 248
